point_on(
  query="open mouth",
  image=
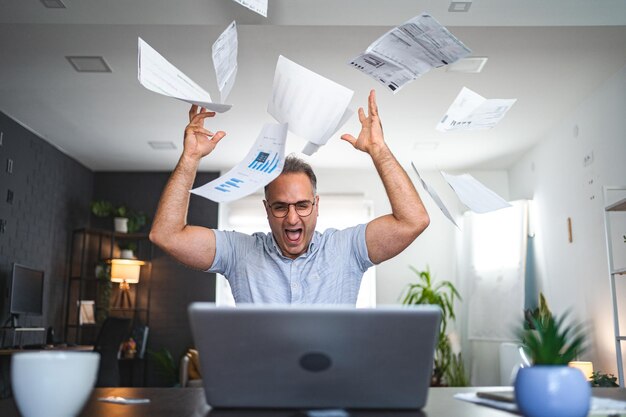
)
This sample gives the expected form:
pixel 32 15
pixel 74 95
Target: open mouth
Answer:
pixel 293 235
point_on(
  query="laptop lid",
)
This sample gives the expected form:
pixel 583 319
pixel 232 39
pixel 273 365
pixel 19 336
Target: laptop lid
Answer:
pixel 315 356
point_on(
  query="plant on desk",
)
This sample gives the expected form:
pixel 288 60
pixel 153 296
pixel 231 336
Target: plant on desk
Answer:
pixel 550 388
pixel 442 294
pixel 599 379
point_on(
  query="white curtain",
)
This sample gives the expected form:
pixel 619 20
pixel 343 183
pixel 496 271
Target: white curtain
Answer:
pixel 495 245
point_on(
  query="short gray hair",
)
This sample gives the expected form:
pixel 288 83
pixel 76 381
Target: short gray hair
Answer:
pixel 294 165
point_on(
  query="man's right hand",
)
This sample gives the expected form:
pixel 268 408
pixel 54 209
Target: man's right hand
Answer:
pixel 199 142
pixel 192 245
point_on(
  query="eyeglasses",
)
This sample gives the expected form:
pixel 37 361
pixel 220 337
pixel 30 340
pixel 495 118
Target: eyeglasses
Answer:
pixel 280 209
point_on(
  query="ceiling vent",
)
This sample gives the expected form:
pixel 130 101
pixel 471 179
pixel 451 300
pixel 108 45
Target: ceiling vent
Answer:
pixel 53 4
pixel 161 145
pixel 472 65
pixel 460 6
pixel 89 63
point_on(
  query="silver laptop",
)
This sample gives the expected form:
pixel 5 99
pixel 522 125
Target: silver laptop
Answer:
pixel 268 356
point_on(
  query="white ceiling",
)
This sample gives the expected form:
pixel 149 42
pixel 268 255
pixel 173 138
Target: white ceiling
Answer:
pixel 549 55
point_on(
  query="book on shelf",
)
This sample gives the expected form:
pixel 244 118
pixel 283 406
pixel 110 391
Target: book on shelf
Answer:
pixel 140 336
pixel 86 312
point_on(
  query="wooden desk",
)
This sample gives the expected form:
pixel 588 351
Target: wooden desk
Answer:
pixel 189 402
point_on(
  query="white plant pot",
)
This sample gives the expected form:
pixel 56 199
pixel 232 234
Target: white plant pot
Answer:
pixel 120 224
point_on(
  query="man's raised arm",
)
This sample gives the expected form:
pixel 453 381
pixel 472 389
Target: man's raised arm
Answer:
pixel 388 235
pixel 192 245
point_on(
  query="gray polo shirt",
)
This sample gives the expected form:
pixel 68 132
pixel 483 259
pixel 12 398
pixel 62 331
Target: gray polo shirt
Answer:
pixel 329 272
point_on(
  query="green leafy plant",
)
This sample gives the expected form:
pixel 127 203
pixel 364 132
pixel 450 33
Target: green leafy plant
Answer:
pixel 553 341
pixel 541 313
pixel 136 219
pixel 599 379
pixel 442 294
pixel 105 287
pixel 165 365
pixel 128 244
pixel 456 376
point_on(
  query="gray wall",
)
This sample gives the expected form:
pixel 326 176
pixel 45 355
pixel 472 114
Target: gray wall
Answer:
pixel 51 194
pixel 173 286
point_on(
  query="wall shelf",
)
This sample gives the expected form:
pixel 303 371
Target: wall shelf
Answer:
pixel 93 247
pixel 617 208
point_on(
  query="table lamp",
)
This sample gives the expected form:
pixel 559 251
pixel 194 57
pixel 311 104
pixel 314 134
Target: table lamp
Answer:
pixel 585 367
pixel 126 272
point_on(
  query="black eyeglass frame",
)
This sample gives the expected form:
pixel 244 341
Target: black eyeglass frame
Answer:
pixel 295 206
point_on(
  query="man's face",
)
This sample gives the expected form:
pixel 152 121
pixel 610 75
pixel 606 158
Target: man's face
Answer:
pixel 294 232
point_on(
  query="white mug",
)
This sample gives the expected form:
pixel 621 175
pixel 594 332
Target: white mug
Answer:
pixel 53 383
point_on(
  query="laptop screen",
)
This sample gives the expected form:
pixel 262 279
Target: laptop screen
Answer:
pixel 315 356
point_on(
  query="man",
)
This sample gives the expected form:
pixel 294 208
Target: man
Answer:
pixel 293 263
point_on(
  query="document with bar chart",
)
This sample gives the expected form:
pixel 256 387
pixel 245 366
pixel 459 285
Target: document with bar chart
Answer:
pixel 262 164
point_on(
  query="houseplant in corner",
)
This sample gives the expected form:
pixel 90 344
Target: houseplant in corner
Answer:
pixel 442 294
pixel 550 388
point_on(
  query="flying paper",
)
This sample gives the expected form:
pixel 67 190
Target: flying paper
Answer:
pixel 257 6
pixel 474 194
pixel 313 106
pixel 471 111
pixel 262 164
pixel 225 60
pixel 435 197
pixel 408 51
pixel 158 75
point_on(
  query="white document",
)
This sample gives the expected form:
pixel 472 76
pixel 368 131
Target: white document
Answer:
pixel 257 6
pixel 474 194
pixel 435 197
pixel 599 405
pixel 225 60
pixel 408 51
pixel 313 106
pixel 262 164
pixel 158 75
pixel 471 111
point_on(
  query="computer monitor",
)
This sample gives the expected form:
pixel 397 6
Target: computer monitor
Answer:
pixel 26 292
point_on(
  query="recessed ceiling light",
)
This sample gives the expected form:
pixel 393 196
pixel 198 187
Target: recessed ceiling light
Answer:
pixel 53 4
pixel 159 145
pixel 89 63
pixel 471 65
pixel 460 6
pixel 425 146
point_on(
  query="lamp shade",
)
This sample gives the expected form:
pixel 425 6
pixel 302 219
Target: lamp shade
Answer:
pixel 585 367
pixel 126 270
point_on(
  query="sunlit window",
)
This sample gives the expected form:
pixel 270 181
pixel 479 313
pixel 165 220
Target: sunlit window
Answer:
pixel 496 238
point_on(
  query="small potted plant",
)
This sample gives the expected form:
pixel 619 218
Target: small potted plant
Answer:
pixel 550 388
pixel 599 379
pixel 124 219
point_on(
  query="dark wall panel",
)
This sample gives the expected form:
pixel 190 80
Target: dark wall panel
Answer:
pixel 173 286
pixel 51 195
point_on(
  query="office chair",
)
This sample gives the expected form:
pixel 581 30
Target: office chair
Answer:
pixel 113 332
